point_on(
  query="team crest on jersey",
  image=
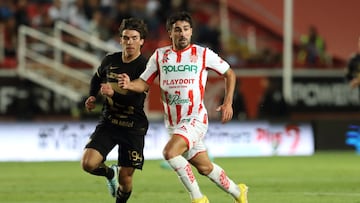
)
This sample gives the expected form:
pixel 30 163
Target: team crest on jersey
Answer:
pixel 166 56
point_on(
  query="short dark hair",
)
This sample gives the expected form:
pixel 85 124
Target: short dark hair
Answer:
pixel 182 16
pixel 134 24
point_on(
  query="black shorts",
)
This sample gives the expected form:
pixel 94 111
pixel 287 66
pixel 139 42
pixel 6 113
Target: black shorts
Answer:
pixel 131 146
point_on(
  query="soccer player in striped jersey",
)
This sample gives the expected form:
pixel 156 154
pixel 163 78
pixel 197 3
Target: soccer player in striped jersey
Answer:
pixel 182 69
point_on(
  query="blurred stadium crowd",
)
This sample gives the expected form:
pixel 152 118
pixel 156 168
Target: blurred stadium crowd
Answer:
pixel 101 18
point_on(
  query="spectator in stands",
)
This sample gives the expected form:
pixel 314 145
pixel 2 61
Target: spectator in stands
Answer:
pixel 122 11
pixel 312 49
pixel 98 28
pixel 42 19
pixel 353 68
pixel 5 10
pixel 107 5
pixel 57 11
pixel 90 7
pixel 77 16
pixel 21 14
pixel 272 104
pixel 152 20
pixel 207 25
pixel 10 37
pixel 167 7
pixel 123 120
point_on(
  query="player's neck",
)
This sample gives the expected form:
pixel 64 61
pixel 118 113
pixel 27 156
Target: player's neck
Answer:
pixel 179 48
pixel 127 58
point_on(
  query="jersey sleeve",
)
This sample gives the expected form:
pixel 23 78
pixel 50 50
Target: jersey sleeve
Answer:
pixel 151 70
pixel 214 62
pixel 102 69
pixel 99 77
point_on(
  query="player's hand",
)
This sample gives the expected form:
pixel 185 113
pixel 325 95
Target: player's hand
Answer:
pixel 106 90
pixel 123 81
pixel 355 82
pixel 90 103
pixel 226 112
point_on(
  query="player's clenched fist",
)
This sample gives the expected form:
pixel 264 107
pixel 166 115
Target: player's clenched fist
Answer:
pixel 123 81
pixel 90 103
pixel 106 90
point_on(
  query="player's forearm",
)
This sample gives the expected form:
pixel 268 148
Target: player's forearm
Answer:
pixel 230 80
pixel 94 85
pixel 138 85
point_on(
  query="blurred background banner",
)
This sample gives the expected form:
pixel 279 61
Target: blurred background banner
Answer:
pixel 64 141
pixel 292 63
pixel 256 97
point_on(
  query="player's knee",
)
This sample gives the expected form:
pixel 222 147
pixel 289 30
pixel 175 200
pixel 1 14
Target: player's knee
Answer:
pixel 125 183
pixel 169 154
pixel 88 166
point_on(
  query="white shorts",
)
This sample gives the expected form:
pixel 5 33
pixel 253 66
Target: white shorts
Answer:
pixel 193 131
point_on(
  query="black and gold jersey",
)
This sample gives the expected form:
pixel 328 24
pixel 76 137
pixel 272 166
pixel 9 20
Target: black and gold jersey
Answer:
pixel 125 108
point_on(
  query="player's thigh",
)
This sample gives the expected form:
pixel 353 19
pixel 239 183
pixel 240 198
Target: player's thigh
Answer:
pixel 101 141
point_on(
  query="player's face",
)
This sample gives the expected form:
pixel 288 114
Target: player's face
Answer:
pixel 180 35
pixel 131 42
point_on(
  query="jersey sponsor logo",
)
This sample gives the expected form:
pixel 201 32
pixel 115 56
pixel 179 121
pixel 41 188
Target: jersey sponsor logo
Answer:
pixel 175 100
pixel 178 81
pixel 128 124
pixel 179 68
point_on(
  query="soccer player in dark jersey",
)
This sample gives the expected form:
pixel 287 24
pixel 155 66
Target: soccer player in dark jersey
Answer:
pixel 123 121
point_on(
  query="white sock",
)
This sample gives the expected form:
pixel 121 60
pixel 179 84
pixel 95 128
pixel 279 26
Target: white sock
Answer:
pixel 218 176
pixel 183 169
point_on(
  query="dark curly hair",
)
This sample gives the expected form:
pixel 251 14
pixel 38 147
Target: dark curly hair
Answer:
pixel 182 16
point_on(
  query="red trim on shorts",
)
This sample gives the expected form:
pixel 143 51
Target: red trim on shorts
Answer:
pixel 197 154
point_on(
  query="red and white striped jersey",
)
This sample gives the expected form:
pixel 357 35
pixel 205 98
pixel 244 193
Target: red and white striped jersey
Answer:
pixel 182 77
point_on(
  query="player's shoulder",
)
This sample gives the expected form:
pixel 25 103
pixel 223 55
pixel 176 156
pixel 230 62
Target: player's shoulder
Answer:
pixel 163 49
pixel 113 55
pixel 142 59
pixel 202 48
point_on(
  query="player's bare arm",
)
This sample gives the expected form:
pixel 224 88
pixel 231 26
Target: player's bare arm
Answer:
pixel 226 108
pixel 137 85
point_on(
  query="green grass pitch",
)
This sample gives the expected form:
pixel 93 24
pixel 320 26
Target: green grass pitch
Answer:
pixel 326 177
